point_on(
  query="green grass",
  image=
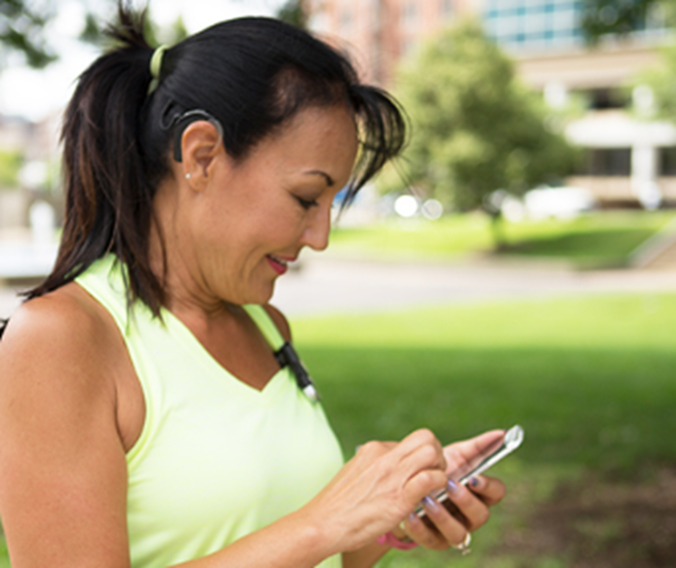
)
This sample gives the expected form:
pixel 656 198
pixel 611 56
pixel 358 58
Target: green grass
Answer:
pixel 579 374
pixel 591 380
pixel 599 239
pixel 452 235
pixel 4 557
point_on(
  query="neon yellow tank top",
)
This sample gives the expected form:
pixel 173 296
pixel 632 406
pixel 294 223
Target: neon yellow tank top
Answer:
pixel 216 459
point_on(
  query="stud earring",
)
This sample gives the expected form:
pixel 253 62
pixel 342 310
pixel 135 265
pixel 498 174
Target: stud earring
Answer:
pixel 187 176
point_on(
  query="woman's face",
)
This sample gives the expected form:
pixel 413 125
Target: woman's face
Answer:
pixel 257 214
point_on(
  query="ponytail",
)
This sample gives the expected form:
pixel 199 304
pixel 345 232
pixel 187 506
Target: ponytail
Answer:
pixel 250 75
pixel 108 197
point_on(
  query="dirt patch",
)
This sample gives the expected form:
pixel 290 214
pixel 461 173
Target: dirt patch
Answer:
pixel 602 524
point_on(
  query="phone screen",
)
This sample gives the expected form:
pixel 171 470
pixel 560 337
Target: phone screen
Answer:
pixel 479 463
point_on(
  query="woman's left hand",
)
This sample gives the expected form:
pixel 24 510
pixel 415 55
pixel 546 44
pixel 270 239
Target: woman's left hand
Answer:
pixel 470 504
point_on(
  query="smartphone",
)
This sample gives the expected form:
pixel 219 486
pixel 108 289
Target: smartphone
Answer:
pixel 490 455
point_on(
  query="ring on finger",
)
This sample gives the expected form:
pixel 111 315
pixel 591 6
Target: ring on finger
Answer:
pixel 463 547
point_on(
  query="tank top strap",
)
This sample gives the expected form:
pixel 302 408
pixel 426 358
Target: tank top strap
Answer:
pixel 265 323
pixel 104 281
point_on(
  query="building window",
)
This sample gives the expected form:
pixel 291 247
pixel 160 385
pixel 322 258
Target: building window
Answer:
pixel 531 23
pixel 605 99
pixel 667 157
pixel 608 162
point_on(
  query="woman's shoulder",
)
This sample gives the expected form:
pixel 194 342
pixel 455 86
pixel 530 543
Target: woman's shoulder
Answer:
pixel 63 466
pixel 66 315
pixel 64 329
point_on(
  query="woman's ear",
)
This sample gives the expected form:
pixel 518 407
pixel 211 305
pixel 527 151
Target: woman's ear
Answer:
pixel 200 143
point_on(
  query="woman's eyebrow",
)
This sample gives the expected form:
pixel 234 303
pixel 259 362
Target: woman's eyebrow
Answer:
pixel 327 177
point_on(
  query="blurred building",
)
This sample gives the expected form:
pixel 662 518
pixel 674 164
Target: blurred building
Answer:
pixel 37 145
pixel 630 159
pixel 378 33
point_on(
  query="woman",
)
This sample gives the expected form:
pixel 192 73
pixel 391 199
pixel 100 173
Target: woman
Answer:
pixel 144 417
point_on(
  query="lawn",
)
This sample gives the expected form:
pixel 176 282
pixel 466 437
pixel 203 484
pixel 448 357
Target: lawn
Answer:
pixel 595 240
pixel 591 381
pixel 4 558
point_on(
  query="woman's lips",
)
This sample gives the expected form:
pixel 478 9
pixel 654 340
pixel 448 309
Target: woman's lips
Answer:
pixel 278 264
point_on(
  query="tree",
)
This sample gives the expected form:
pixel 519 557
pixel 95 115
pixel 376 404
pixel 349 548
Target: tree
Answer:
pixel 661 81
pixel 621 17
pixel 475 128
pixel 293 12
pixel 10 165
pixel 93 33
pixel 21 31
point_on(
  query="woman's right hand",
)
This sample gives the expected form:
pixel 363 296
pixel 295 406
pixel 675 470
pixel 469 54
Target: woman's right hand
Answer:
pixel 376 490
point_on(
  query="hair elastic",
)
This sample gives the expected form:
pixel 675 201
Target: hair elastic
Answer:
pixel 156 67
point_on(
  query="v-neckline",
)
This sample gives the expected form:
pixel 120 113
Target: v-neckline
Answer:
pixel 267 392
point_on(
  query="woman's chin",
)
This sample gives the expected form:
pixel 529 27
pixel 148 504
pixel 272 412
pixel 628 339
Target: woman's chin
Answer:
pixel 259 295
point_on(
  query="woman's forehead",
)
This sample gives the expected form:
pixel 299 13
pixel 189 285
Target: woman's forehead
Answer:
pixel 313 132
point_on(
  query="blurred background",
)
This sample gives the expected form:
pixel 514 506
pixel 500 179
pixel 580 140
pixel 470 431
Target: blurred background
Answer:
pixel 516 265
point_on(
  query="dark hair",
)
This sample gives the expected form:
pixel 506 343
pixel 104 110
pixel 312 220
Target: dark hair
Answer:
pixel 251 74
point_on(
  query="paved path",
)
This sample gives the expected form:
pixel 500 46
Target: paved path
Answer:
pixel 342 286
pixel 332 285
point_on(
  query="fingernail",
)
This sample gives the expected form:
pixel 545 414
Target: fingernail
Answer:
pixel 413 519
pixel 474 482
pixel 452 487
pixel 430 503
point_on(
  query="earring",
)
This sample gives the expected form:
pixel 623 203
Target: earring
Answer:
pixel 187 176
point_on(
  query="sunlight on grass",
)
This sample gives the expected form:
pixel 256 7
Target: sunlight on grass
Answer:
pixel 451 235
pixel 602 238
pixel 584 374
pixel 590 379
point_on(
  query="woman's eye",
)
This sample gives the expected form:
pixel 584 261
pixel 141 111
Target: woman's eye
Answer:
pixel 305 203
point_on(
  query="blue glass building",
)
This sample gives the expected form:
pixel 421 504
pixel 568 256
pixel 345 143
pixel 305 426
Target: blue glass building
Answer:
pixel 532 24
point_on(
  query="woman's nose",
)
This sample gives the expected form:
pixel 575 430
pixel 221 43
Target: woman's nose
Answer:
pixel 316 234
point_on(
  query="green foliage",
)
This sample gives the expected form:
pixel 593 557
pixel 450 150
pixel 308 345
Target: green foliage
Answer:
pixel 177 32
pixel 475 128
pixel 619 17
pixel 293 12
pixel 21 28
pixel 93 33
pixel 10 165
pixel 662 81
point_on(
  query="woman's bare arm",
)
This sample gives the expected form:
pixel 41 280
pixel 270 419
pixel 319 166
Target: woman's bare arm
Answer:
pixel 63 475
